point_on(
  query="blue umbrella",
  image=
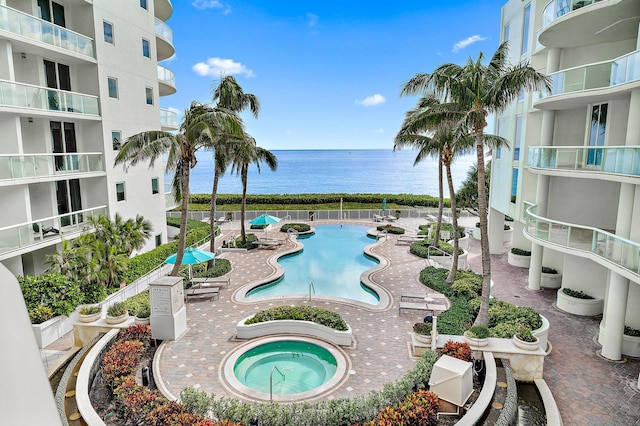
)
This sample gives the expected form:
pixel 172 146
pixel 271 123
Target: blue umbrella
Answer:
pixel 384 206
pixel 192 256
pixel 265 219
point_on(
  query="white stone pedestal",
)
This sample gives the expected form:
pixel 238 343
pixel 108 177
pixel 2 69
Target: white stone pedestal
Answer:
pixel 168 313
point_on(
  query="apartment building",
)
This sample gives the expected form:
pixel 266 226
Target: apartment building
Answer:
pixel 77 77
pixel 571 178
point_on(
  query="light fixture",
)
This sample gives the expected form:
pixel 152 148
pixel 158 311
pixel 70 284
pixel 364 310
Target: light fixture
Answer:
pixel 30 119
pixel 23 55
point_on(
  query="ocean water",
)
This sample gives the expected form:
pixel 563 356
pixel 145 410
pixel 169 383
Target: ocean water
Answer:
pixel 334 171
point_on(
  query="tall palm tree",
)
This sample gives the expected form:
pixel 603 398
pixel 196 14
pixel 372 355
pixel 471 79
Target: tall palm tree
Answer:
pixel 479 90
pixel 201 126
pixel 230 96
pixel 244 154
pixel 125 235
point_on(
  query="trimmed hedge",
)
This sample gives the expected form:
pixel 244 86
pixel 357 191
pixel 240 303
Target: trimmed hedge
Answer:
pixel 300 313
pixel 53 291
pixel 577 294
pixel 391 229
pixel 400 199
pixel 300 227
pixel 421 248
pixel 458 317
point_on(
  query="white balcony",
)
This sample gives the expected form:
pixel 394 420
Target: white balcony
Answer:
pixel 29 236
pixel 21 95
pixel 164 40
pixel 167 81
pixel 613 252
pixel 168 119
pixel 558 8
pixel 163 9
pixel 18 169
pixel 613 163
pixel 26 26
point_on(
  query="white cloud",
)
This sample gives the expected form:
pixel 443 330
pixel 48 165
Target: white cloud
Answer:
pixel 466 42
pixel 312 20
pixel 216 66
pixel 373 100
pixel 207 4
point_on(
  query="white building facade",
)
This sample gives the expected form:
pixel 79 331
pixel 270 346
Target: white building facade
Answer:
pixel 77 77
pixel 571 178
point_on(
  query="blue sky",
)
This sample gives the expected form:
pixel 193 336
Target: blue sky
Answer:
pixel 328 74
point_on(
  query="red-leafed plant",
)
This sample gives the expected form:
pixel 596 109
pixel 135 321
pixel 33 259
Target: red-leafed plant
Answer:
pixel 135 332
pixel 460 350
pixel 418 409
pixel 121 360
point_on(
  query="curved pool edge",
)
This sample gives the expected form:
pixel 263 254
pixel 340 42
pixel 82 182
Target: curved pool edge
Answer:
pixel 229 381
pixel 385 300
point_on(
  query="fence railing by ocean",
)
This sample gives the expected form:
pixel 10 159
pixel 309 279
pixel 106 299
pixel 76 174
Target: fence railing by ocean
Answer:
pixel 311 215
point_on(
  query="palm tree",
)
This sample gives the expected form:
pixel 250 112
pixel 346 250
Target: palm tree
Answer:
pixel 201 126
pixel 125 235
pixel 479 90
pixel 244 154
pixel 230 96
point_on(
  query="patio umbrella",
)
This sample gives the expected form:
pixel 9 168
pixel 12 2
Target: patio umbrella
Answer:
pixel 384 206
pixel 266 220
pixel 192 256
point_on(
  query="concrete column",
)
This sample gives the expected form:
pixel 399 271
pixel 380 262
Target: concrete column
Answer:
pixel 633 124
pixel 615 311
pixel 553 60
pixel 496 231
pixel 626 201
pixel 535 268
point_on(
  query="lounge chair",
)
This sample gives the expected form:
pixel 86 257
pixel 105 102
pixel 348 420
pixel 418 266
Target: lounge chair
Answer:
pixel 390 218
pixel 408 239
pixel 210 292
pixel 45 231
pixel 210 282
pixel 378 218
pixel 221 220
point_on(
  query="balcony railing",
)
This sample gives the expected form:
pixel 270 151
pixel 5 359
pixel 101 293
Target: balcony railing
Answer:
pixel 164 31
pixel 42 165
pixel 168 119
pixel 622 70
pixel 170 200
pixel 166 75
pixel 51 228
pixel 28 96
pixel 25 25
pixel 620 160
pixel 606 248
pixel 558 8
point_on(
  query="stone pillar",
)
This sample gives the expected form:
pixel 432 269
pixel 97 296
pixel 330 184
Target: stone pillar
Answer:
pixel 616 310
pixel 496 231
pixel 535 268
pixel 168 313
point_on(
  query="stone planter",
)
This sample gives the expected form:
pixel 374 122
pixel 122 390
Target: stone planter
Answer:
pixel 475 233
pixel 47 332
pixel 422 338
pixel 576 306
pixel 518 260
pixel 117 320
pixel 630 344
pixel 507 235
pixel 550 280
pixel 267 328
pixel 527 346
pixel 463 242
pixel 542 333
pixel 142 321
pixel 474 341
pixel 90 318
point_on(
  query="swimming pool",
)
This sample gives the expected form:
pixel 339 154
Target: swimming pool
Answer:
pixel 333 260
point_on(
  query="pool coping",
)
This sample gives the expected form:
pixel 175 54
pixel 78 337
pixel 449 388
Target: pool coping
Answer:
pixel 385 298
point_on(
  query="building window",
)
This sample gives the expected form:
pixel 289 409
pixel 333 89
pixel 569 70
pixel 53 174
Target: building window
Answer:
pixel 143 4
pixel 158 240
pixel 516 148
pixel 505 33
pixel 525 29
pixel 113 87
pixel 154 186
pixel 597 133
pixel 108 32
pixel 146 51
pixel 116 137
pixel 149 92
pixel 514 184
pixel 120 195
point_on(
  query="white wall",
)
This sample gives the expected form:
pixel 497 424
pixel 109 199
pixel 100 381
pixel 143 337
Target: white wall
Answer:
pixel 582 274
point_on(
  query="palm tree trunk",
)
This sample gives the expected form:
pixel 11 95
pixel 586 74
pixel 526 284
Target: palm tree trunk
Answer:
pixel 454 222
pixel 245 172
pixel 182 238
pixel 212 215
pixel 436 236
pixel 483 314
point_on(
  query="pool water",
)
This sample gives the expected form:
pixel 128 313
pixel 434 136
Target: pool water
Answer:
pixel 333 260
pixel 304 366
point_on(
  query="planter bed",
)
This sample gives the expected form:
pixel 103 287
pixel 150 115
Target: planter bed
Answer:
pixel 267 328
pixel 550 280
pixel 577 306
pixel 518 260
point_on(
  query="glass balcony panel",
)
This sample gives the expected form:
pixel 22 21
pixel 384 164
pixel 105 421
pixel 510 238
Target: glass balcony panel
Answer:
pixel 626 69
pixel 28 96
pixel 558 8
pixel 42 165
pixel 579 238
pixel 168 118
pixel 164 31
pixel 166 75
pixel 28 26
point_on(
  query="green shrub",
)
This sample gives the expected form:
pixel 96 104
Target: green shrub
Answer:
pixel 421 249
pixel 300 227
pixel 138 303
pixel 423 328
pixel 300 313
pixel 520 252
pixel 237 243
pixel 117 309
pixel 40 314
pixel 525 335
pixel 576 294
pixel 457 318
pixel 546 270
pixel 478 332
pixel 54 291
pixel 90 310
pixel 220 267
pixel 468 285
pixel 396 230
pixel 631 331
pixel 505 330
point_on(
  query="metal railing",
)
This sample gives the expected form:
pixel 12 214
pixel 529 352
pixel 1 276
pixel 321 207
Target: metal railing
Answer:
pixel 275 368
pixel 443 254
pixel 619 160
pixel 14 166
pixel 608 248
pixel 558 8
pixel 164 31
pixel 25 25
pixel 168 119
pixel 46 229
pixel 167 76
pixel 23 95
